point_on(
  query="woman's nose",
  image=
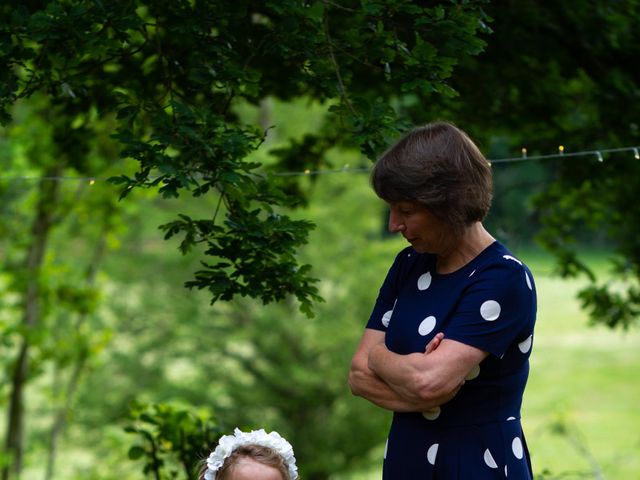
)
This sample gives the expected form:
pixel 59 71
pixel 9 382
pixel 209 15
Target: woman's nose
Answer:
pixel 395 223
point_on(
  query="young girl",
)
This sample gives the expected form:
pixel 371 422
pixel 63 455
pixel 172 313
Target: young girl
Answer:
pixel 254 455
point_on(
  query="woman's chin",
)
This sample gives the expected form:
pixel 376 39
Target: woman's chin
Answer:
pixel 418 247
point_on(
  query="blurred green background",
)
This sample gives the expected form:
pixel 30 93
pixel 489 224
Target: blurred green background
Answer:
pixel 269 366
pixel 112 369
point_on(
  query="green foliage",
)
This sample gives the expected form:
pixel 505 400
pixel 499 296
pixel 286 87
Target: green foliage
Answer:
pixel 168 86
pixel 255 250
pixel 564 73
pixel 55 236
pixel 292 376
pixel 255 366
pixel 601 198
pixel 172 441
pixel 172 73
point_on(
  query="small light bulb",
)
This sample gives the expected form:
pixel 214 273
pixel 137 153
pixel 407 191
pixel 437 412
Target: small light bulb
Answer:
pixel 524 152
pixel 636 154
pixel 92 182
pixel 307 171
pixel 561 149
pixel 600 159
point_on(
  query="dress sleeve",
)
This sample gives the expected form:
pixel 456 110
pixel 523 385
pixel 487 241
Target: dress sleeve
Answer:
pixel 383 308
pixel 496 308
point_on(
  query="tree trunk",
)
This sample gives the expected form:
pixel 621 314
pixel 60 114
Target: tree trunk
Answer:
pixel 40 229
pixel 62 414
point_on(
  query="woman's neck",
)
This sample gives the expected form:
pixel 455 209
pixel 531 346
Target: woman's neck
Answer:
pixel 464 249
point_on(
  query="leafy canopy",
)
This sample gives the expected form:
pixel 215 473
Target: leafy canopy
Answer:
pixel 172 74
pixel 566 73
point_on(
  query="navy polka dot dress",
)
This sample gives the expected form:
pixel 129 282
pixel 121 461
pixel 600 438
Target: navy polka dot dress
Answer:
pixel 490 304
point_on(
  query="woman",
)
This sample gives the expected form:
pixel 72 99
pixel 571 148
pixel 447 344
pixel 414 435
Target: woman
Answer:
pixel 448 342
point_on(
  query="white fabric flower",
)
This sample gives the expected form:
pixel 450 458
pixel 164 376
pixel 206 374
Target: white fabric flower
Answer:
pixel 228 443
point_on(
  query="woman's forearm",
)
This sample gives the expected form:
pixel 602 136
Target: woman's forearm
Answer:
pixel 414 377
pixel 365 383
pixel 374 378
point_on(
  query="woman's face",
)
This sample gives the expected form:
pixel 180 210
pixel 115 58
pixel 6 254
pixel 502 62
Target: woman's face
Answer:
pixel 423 230
pixel 248 469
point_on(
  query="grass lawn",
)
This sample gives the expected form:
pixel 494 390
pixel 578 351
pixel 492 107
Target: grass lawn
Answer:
pixel 582 406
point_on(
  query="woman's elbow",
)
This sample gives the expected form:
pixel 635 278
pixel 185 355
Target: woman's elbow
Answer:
pixel 353 385
pixel 357 379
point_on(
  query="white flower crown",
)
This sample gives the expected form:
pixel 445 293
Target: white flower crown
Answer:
pixel 228 443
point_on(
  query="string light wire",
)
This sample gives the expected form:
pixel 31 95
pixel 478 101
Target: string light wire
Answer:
pixel 525 157
pixel 346 169
pixel 563 153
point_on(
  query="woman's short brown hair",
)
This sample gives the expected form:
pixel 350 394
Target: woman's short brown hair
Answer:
pixel 257 453
pixel 439 167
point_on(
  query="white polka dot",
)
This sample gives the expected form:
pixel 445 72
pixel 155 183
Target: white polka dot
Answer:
pixel 432 414
pixel 510 418
pixel 424 281
pixel 505 471
pixel 427 325
pixel 386 447
pixel 516 446
pixel 431 453
pixel 525 345
pixel 526 277
pixel 475 371
pixel 488 459
pixel 472 273
pixel 386 318
pixel 509 257
pixel 490 310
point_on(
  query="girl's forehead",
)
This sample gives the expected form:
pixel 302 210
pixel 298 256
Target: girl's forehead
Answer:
pixel 248 469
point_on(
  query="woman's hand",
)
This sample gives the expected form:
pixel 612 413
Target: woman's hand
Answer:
pixel 434 343
pixel 431 346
